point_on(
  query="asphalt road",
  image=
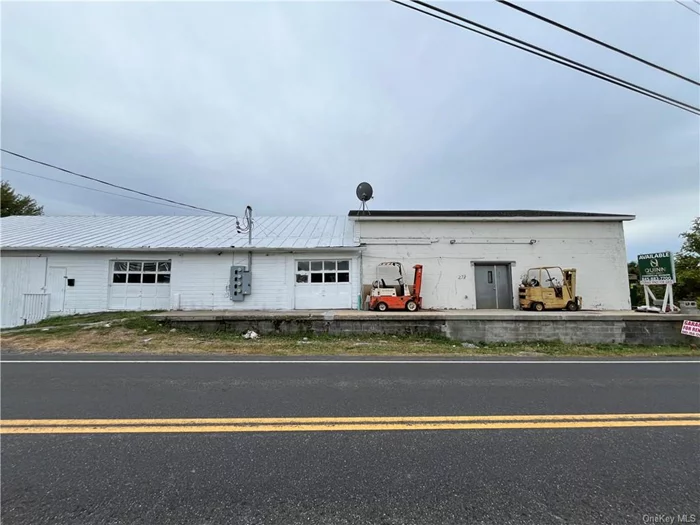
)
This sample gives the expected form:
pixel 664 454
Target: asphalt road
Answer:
pixel 493 475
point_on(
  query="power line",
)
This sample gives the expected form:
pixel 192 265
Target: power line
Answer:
pixel 549 55
pixel 115 185
pixel 697 1
pixel 91 189
pixel 688 8
pixel 595 40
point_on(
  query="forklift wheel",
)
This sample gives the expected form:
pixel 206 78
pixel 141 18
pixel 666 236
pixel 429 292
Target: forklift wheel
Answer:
pixel 571 306
pixel 539 307
pixel 411 306
pixel 382 307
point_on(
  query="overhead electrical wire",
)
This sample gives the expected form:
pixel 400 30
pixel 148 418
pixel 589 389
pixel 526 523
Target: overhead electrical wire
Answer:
pixel 247 221
pixel 544 53
pixel 183 204
pixel 688 8
pixel 549 55
pixel 595 40
pixel 91 189
pixel 241 230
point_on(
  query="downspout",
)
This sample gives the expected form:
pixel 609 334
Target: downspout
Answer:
pixel 360 299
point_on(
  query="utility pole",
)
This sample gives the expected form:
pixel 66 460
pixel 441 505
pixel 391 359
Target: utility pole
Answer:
pixel 249 213
pixel 250 225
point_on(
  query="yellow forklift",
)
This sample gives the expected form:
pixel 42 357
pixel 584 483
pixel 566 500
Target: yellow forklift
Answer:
pixel 549 288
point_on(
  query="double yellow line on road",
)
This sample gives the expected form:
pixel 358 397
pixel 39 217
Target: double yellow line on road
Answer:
pixel 344 424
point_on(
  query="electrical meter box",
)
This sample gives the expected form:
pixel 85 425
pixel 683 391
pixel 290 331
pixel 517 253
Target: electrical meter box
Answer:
pixel 239 286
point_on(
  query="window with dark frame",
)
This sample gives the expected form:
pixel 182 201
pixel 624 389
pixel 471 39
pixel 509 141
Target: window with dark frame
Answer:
pixel 323 271
pixel 141 272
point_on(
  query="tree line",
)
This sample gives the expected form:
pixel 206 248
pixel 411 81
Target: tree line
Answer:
pixel 687 263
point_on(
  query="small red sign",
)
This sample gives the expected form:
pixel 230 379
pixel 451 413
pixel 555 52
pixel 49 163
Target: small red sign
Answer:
pixel 691 328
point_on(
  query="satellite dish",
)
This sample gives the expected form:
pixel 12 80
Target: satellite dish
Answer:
pixel 364 191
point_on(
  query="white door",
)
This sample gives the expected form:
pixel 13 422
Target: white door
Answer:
pixel 22 284
pixel 139 285
pixel 322 284
pixel 56 286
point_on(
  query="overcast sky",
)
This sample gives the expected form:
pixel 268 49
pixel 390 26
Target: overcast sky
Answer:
pixel 286 106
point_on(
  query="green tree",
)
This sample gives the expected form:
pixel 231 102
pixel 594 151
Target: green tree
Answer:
pixel 687 262
pixel 12 203
pixel 636 291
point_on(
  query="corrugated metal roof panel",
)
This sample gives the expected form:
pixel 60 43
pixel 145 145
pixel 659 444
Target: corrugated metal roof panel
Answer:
pixel 178 232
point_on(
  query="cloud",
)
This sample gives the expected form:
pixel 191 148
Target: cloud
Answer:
pixel 287 106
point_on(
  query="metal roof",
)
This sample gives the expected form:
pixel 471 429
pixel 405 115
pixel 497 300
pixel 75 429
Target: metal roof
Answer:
pixel 187 232
pixel 487 214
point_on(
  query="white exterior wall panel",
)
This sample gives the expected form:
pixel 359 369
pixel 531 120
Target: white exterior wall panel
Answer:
pixel 596 249
pixel 202 282
pixel 198 280
pixel 91 271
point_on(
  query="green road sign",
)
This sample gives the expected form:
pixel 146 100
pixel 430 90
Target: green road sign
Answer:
pixel 656 268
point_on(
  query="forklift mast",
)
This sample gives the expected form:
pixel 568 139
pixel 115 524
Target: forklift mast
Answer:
pixel 417 281
pixel 570 280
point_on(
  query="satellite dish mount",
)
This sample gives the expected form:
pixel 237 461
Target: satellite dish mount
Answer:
pixel 364 192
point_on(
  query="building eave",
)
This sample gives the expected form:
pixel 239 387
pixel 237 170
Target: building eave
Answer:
pixel 398 218
pixel 101 249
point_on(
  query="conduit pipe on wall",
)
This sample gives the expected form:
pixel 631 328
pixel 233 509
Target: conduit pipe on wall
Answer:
pixel 458 241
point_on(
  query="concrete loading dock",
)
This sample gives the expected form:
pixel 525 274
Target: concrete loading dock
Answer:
pixel 476 326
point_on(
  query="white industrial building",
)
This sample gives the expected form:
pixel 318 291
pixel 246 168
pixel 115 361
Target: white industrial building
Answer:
pixel 66 265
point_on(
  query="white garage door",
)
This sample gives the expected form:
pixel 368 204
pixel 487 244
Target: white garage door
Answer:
pixel 139 285
pixel 322 284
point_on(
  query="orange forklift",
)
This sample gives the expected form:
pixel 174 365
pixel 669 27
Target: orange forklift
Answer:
pixel 396 297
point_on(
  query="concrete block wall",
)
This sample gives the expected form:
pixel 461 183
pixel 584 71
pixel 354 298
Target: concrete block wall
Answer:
pixel 654 330
pixel 518 331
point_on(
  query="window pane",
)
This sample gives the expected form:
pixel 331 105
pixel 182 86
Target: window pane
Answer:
pixel 316 277
pixel 328 277
pixel 329 265
pixel 134 266
pixel 316 266
pixel 302 266
pixel 119 278
pixel 343 277
pixel 149 267
pixel 119 266
pixel 134 277
pixel 164 266
pixel 164 277
pixel 302 278
pixel 149 278
pixel 343 265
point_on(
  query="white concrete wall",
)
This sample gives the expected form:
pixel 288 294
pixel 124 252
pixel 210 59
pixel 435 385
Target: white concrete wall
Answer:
pixel 596 249
pixel 198 280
